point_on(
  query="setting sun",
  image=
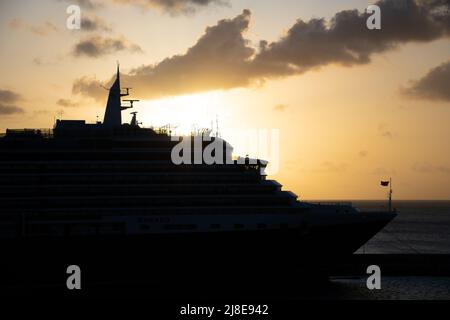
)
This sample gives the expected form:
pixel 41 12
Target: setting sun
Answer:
pixel 184 114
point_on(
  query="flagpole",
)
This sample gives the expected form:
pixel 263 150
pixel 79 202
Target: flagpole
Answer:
pixel 390 194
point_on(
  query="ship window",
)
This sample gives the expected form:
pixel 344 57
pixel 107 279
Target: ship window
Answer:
pixel 261 225
pixel 239 226
pixel 215 226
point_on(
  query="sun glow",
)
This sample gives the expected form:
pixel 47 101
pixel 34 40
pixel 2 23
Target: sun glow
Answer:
pixel 184 113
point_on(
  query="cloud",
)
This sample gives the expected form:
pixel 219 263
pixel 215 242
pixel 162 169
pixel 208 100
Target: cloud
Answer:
pixel 93 23
pixel 170 6
pixel 173 6
pixel 90 4
pixel 347 41
pixel 44 29
pixel 223 58
pixel 90 87
pixel 10 109
pixel 8 100
pixel 8 96
pixel 86 4
pixel 434 85
pixel 96 46
pixel 67 103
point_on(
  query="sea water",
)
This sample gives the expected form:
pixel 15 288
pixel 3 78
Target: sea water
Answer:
pixel 421 227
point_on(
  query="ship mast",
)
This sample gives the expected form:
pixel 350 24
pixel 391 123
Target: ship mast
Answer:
pixel 113 112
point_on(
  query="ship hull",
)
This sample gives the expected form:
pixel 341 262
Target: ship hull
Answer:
pixel 203 256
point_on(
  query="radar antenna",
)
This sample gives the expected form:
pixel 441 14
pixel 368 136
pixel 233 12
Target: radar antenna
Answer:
pixel 134 122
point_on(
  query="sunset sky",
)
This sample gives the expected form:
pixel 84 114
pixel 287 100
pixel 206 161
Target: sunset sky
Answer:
pixel 352 106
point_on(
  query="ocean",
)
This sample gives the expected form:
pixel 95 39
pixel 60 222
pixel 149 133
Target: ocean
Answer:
pixel 421 227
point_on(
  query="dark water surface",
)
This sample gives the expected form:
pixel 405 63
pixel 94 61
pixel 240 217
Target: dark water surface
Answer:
pixel 421 227
pixel 392 288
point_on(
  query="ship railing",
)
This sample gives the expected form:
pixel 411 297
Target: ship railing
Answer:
pixel 45 133
pixel 159 130
pixel 332 203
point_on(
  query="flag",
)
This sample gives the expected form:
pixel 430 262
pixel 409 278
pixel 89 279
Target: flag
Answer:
pixel 384 183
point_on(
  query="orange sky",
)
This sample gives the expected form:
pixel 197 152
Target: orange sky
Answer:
pixel 342 126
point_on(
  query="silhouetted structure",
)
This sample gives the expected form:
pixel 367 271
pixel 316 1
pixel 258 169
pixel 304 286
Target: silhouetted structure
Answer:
pixel 109 192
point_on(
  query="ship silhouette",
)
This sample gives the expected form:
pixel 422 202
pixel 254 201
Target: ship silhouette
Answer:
pixel 106 196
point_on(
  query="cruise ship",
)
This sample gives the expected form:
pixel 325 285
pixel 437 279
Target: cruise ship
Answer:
pixel 109 194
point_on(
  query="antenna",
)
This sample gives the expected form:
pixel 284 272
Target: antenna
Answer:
pixel 390 194
pixel 131 101
pixel 134 121
pixel 217 127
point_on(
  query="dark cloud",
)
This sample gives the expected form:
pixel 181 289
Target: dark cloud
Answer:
pixel 8 102
pixel 67 103
pixel 8 96
pixel 96 46
pixel 93 23
pixel 223 58
pixel 9 109
pixel 171 6
pixel 90 87
pixel 174 6
pixel 434 85
pixel 85 4
pixel 347 41
pixel 215 61
pixel 89 4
